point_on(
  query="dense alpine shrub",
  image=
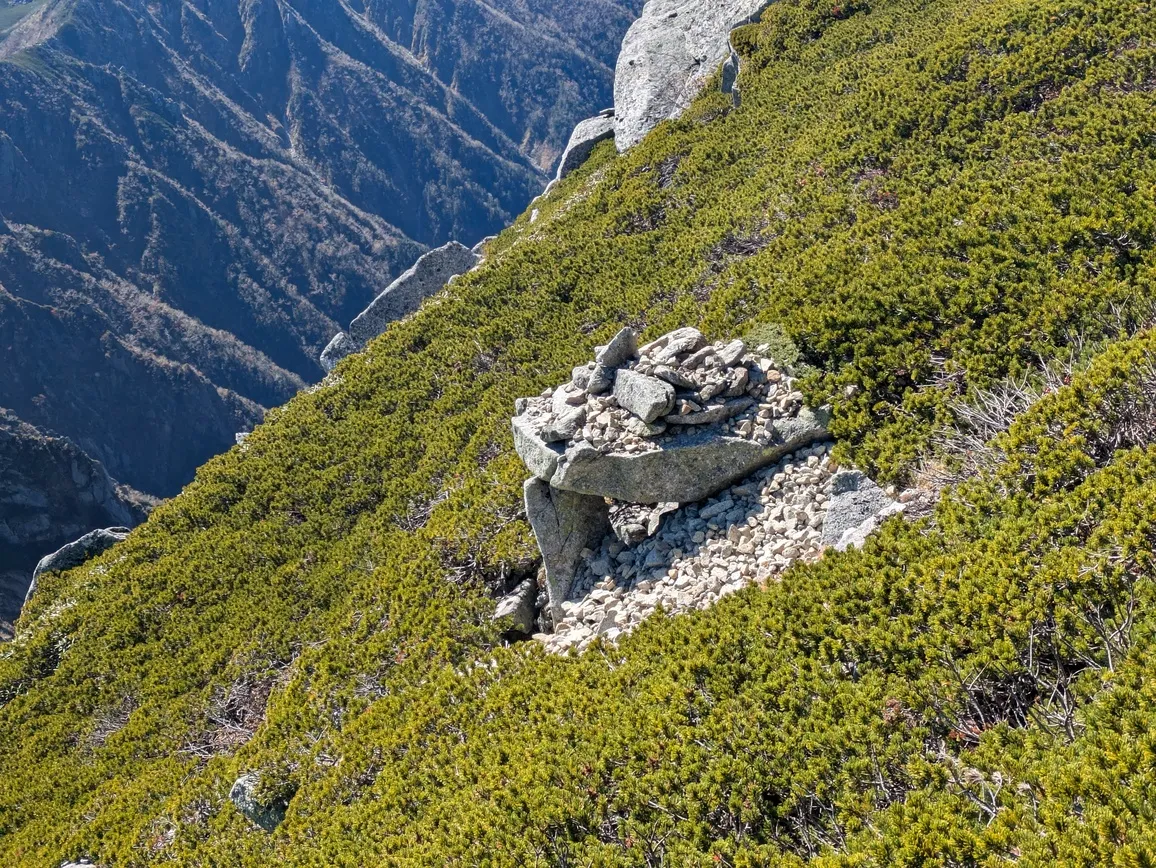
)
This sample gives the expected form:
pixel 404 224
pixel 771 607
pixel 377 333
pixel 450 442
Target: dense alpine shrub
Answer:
pixel 927 198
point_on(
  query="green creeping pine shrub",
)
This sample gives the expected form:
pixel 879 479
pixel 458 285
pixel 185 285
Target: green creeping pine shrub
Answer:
pixel 926 196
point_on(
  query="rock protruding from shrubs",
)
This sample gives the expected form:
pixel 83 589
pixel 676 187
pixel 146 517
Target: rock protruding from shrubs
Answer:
pixel 429 275
pixel 244 794
pixel 857 507
pixel 76 553
pixel 668 55
pixel 586 136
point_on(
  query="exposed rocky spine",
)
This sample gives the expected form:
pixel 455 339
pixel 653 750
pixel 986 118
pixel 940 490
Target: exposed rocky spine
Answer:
pixel 428 275
pixel 586 136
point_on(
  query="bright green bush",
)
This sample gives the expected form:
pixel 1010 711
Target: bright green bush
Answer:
pixel 926 197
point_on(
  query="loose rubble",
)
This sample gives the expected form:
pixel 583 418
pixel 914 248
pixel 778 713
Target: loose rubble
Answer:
pixel 745 535
pixel 679 382
pixel 670 475
pixel 689 558
pixel 673 421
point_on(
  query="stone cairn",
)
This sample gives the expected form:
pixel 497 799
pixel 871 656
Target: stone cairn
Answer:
pixel 672 475
pixel 671 422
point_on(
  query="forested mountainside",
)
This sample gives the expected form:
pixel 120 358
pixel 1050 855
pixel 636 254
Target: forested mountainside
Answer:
pixel 195 196
pixel 932 198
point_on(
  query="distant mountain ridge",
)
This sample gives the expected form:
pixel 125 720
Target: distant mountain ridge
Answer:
pixel 195 195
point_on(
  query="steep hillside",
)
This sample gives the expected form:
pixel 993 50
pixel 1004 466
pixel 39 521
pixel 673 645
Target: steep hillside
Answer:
pixel 931 198
pixel 193 196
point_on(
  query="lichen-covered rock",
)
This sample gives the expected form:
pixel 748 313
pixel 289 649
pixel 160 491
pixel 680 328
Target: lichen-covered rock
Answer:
pixel 667 56
pixel 75 553
pixel 564 523
pixel 855 537
pixel 518 608
pixel 244 795
pixel 586 136
pixel 402 297
pixel 622 348
pixel 645 396
pixel 540 457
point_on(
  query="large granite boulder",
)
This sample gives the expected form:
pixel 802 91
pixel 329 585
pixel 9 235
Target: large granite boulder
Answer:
pixel 586 136
pixel 76 553
pixel 667 56
pixel 428 275
pixel 51 493
pixel 338 348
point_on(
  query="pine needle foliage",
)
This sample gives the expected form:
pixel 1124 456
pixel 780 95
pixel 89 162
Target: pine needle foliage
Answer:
pixel 927 197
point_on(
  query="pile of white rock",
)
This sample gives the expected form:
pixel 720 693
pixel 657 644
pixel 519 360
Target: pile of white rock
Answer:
pixel 746 534
pixel 637 399
pixel 670 475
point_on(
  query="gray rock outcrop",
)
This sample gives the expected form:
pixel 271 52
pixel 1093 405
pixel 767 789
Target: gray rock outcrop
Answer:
pixel 586 136
pixel 402 297
pixel 76 553
pixel 667 56
pixel 685 420
pixel 244 795
pixel 51 493
pixel 856 508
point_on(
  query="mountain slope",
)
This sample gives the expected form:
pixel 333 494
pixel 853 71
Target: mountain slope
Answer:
pixel 194 195
pixel 929 198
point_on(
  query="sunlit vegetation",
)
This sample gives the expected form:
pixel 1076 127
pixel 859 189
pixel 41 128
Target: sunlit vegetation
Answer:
pixel 929 198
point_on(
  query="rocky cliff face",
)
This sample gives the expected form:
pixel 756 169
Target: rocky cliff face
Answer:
pixel 51 493
pixel 194 196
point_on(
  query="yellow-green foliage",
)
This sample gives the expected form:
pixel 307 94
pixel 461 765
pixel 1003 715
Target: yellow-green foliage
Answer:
pixel 919 192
